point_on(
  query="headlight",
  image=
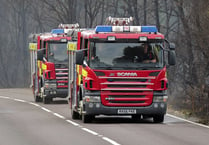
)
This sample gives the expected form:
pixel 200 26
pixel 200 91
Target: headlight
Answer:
pixel 92 99
pixel 160 98
pixel 50 85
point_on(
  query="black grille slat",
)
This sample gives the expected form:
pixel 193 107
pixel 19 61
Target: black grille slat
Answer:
pixel 128 102
pixel 60 65
pixel 126 96
pixel 127 86
pixel 125 91
pixel 126 80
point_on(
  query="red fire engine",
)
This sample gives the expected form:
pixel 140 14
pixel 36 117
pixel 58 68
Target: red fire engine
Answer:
pixel 49 63
pixel 119 70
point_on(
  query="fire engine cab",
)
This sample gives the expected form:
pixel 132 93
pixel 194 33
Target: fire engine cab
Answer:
pixel 118 69
pixel 49 63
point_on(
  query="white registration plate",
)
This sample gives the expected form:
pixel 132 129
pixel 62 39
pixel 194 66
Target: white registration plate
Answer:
pixel 126 111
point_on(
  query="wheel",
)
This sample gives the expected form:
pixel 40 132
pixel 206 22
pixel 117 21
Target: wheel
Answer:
pixel 158 118
pixel 87 118
pixel 47 100
pixel 37 98
pixel 74 115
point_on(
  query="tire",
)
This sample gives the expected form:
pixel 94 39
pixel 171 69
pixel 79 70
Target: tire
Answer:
pixel 158 118
pixel 74 115
pixel 37 98
pixel 47 100
pixel 87 118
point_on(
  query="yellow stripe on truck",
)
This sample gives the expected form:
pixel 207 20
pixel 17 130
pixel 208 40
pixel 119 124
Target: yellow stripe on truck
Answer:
pixel 84 73
pixel 44 67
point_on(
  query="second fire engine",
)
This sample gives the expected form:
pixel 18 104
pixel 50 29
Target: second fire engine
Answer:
pixel 49 63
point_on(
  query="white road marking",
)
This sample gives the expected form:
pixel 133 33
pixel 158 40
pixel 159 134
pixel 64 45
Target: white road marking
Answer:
pixel 62 117
pixel 73 123
pixel 58 115
pixel 34 104
pixel 179 118
pixel 3 97
pixel 110 141
pixel 20 100
pixel 47 110
pixel 90 131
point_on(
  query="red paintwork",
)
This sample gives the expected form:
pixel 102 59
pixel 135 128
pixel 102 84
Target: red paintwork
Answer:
pixel 91 34
pixel 101 83
pixel 51 69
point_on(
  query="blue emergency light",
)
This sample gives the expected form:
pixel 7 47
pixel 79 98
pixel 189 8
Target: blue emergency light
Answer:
pixel 57 31
pixel 149 29
pixel 104 28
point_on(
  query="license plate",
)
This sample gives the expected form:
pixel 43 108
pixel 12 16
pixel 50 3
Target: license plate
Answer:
pixel 126 111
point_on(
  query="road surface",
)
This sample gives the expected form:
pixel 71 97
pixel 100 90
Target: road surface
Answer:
pixel 24 122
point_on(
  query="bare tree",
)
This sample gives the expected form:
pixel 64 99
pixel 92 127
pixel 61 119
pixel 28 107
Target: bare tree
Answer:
pixel 145 12
pixel 92 9
pixel 157 18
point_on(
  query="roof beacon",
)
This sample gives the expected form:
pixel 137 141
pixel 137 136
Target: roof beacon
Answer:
pixel 68 26
pixel 118 21
pixel 133 29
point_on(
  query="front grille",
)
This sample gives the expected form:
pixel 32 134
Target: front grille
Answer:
pixel 126 102
pixel 126 80
pixel 61 71
pixel 127 96
pixel 127 86
pixel 127 91
pixel 60 65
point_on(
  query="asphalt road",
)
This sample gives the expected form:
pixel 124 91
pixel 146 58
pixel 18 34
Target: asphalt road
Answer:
pixel 24 122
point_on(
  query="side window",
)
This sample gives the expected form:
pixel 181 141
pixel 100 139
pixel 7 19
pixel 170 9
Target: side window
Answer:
pixel 92 50
pixel 156 51
pixel 81 42
pixel 86 43
pixel 165 53
pixel 43 45
pixel 85 46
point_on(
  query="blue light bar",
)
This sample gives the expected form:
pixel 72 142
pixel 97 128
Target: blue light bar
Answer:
pixel 57 31
pixel 103 29
pixel 149 29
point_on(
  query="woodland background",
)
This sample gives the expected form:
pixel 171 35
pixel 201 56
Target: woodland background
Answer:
pixel 184 22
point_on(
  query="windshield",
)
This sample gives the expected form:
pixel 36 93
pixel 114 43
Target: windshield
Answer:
pixel 57 52
pixel 120 55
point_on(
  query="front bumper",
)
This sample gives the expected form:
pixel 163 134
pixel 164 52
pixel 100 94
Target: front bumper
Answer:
pixel 99 109
pixel 56 93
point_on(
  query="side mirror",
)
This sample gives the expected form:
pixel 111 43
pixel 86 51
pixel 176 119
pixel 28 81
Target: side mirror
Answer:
pixel 80 57
pixel 172 46
pixel 172 57
pixel 40 54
